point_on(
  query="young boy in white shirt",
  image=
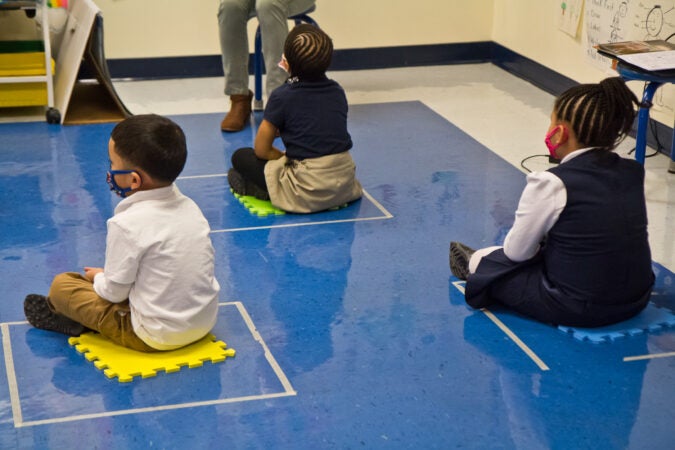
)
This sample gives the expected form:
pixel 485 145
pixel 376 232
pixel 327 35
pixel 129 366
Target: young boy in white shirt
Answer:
pixel 157 290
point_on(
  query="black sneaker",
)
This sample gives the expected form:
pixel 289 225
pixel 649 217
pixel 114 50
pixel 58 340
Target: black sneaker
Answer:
pixel 242 186
pixel 460 255
pixel 39 315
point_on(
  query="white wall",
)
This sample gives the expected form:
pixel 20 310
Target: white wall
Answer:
pixel 155 28
pixel 529 28
pixel 160 28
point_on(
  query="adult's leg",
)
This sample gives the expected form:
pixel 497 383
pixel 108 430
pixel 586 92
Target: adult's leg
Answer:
pixel 73 296
pixel 233 15
pixel 273 18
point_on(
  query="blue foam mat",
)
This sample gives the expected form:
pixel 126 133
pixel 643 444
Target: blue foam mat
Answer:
pixel 652 318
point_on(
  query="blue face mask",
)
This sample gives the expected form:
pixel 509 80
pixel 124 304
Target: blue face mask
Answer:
pixel 110 178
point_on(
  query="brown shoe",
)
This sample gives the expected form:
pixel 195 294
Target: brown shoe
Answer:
pixel 239 113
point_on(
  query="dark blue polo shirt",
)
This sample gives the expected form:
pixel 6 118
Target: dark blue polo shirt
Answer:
pixel 311 117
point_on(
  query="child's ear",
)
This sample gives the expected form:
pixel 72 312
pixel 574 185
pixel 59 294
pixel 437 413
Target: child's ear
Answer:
pixel 283 64
pixel 136 180
pixel 563 135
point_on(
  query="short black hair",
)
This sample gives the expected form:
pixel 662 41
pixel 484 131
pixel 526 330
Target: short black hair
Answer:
pixel 308 51
pixel 600 114
pixel 153 143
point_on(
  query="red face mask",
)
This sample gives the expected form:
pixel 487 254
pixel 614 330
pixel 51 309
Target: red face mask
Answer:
pixel 550 145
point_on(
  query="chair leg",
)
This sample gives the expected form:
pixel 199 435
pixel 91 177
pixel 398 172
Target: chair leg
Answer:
pixel 671 167
pixel 304 18
pixel 643 121
pixel 257 72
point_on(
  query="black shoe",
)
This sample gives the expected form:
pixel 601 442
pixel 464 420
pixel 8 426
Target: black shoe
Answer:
pixel 242 186
pixel 460 255
pixel 39 315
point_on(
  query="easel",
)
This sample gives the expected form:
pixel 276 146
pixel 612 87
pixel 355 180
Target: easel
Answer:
pixel 80 102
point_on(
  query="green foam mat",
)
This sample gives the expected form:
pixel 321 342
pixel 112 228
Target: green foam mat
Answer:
pixel 260 208
pixel 264 208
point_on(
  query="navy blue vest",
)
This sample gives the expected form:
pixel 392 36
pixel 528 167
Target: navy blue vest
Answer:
pixel 598 252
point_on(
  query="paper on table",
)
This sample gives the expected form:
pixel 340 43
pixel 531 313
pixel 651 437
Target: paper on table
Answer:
pixel 651 61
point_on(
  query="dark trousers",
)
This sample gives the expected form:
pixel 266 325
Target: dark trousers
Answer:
pixel 250 166
pixel 524 287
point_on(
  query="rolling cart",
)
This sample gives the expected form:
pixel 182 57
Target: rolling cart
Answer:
pixel 40 75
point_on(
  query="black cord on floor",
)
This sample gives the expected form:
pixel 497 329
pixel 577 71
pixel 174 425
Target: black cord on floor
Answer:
pixel 652 127
pixel 522 163
pixel 646 156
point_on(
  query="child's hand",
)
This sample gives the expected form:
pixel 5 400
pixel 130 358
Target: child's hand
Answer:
pixel 90 272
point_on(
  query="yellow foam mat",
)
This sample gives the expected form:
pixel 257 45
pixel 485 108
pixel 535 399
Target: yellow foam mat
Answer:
pixel 125 364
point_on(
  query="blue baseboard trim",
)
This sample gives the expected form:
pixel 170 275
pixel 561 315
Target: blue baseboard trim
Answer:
pixel 381 58
pixel 348 59
pixel 527 69
pixel 164 68
pixel 413 56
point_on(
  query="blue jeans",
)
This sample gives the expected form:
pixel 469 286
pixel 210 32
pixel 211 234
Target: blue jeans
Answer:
pixel 233 16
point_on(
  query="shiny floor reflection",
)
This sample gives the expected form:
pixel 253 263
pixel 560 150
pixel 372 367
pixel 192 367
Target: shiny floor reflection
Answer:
pixel 356 307
pixel 44 357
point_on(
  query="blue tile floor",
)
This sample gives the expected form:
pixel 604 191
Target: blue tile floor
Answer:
pixel 349 329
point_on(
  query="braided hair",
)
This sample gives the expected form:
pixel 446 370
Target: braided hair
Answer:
pixel 308 51
pixel 600 114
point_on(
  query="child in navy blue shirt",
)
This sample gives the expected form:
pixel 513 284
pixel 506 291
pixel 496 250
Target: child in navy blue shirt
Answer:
pixel 309 113
pixel 577 254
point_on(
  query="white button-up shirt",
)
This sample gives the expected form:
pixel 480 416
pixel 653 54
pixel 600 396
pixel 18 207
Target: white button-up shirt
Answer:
pixel 159 255
pixel 541 203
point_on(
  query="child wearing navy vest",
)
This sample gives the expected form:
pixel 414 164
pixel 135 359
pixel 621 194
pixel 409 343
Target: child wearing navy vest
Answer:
pixel 578 253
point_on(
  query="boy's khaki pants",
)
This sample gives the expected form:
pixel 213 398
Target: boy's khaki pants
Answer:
pixel 73 296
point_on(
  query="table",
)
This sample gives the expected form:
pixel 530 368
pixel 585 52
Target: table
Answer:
pixel 654 80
